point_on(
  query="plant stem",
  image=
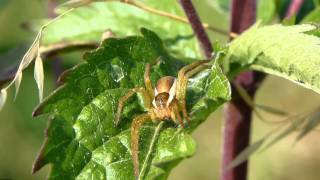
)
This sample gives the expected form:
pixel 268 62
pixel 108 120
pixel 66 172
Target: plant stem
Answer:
pixel 197 27
pixel 237 122
pixel 294 8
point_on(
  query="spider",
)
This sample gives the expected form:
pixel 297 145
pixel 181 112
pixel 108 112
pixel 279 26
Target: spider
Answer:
pixel 164 102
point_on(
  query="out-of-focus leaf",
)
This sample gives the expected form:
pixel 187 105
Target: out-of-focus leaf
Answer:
pixel 88 23
pixel 3 97
pixel 39 75
pixel 311 123
pixel 246 153
pixel 82 141
pixel 266 10
pixel 285 51
pixel 313 16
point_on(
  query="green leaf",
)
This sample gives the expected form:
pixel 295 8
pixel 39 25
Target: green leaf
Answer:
pixel 82 141
pixel 285 51
pixel 88 23
pixel 313 16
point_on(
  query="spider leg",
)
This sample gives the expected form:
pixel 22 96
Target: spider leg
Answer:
pixel 131 92
pixel 183 81
pixel 147 80
pixel 175 113
pixel 135 126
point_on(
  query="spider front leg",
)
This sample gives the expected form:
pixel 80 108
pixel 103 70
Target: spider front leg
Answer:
pixel 135 127
pixel 184 74
pixel 147 80
pixel 175 113
pixel 131 92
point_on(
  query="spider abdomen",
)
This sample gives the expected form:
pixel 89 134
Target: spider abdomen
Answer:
pixel 165 84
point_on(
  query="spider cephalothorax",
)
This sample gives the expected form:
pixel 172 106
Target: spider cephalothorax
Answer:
pixel 164 102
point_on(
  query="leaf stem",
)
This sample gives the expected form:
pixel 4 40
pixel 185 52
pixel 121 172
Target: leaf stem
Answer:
pixel 151 148
pixel 197 27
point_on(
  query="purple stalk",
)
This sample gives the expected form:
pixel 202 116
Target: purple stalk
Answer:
pixel 237 122
pixel 294 8
pixel 197 27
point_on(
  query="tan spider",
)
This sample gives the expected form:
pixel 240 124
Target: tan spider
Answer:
pixel 165 102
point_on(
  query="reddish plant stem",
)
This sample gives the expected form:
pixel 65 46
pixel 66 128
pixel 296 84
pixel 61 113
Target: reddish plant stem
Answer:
pixel 294 8
pixel 197 27
pixel 237 122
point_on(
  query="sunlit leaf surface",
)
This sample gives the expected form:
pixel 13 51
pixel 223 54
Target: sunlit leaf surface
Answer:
pixel 82 141
pixel 286 51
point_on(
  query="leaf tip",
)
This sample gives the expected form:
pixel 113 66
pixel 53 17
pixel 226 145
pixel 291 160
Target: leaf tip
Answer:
pixel 3 98
pixel 39 75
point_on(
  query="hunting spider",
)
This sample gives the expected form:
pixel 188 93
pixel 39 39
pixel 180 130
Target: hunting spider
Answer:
pixel 164 102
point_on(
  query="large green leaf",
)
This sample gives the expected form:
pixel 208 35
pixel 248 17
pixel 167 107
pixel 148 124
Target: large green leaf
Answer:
pixel 286 51
pixel 88 23
pixel 82 141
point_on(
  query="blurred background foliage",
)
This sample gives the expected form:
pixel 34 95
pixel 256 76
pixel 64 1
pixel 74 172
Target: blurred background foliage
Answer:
pixel 21 135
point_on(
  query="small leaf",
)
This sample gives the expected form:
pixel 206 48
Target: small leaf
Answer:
pixel 39 75
pixel 311 123
pixel 246 153
pixel 3 97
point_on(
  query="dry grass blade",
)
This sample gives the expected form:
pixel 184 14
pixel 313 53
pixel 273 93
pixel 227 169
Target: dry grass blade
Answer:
pixel 26 60
pixel 271 110
pixel 246 153
pixel 311 123
pixel 3 97
pixel 39 75
pixel 245 96
pixel 295 124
